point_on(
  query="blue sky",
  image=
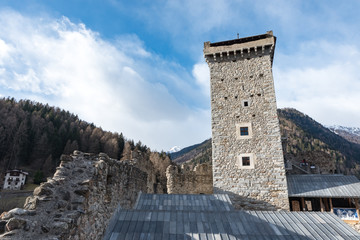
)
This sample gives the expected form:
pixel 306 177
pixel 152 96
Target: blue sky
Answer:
pixel 137 67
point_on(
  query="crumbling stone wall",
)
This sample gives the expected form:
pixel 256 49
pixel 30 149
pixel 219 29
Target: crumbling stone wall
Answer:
pixel 78 201
pixel 153 163
pixel 187 181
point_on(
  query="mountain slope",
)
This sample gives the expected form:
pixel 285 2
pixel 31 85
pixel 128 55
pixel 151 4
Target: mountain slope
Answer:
pixel 302 138
pixel 351 134
pixel 317 137
pixel 197 153
pixel 33 136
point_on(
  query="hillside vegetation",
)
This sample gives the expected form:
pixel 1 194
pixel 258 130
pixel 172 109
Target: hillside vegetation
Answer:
pixel 301 134
pixel 195 154
pixel 302 137
pixel 33 136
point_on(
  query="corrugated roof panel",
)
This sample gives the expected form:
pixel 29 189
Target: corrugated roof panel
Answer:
pixel 315 185
pixel 142 223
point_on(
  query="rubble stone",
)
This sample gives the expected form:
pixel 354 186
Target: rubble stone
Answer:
pixel 77 206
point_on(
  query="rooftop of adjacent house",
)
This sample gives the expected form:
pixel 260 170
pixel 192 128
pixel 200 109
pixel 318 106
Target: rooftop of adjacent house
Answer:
pixel 16 171
pixel 215 222
pixel 316 185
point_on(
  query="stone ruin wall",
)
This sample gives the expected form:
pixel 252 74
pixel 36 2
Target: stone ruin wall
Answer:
pixel 153 163
pixel 78 201
pixel 182 180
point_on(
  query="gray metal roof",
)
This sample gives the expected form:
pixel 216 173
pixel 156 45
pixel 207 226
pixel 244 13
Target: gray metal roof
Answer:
pixel 222 224
pixel 180 202
pixel 316 185
pixel 154 224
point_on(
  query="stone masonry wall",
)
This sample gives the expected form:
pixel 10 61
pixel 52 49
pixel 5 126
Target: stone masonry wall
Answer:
pixel 186 181
pixel 152 163
pixel 239 75
pixel 78 201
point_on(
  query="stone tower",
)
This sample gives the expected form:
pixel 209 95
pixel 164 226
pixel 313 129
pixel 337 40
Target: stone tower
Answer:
pixel 247 155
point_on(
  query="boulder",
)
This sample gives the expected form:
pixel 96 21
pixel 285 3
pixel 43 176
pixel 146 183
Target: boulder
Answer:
pixel 42 190
pixel 15 223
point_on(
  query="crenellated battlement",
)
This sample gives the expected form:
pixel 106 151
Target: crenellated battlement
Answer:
pixel 241 48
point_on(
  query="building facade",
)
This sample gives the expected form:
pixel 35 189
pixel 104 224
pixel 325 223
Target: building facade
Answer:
pixel 247 155
pixel 14 179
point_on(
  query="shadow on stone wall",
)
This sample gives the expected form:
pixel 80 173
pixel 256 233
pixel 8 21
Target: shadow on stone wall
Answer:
pixel 182 180
pixel 247 203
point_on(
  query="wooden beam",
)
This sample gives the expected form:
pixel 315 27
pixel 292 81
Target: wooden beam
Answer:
pixel 321 205
pixel 326 204
pixel 303 204
pixel 331 206
pixel 356 200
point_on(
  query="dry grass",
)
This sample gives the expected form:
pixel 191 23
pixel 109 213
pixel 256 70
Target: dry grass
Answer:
pixel 7 204
pixel 10 199
pixel 30 187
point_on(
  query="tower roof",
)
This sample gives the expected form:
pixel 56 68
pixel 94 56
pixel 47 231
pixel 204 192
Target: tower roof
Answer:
pixel 268 34
pixel 256 45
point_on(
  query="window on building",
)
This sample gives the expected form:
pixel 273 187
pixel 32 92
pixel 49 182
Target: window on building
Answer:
pixel 245 102
pixel 246 161
pixel 244 131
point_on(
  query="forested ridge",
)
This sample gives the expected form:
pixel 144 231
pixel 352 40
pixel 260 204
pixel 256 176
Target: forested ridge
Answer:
pixel 33 136
pixel 302 137
pixel 304 134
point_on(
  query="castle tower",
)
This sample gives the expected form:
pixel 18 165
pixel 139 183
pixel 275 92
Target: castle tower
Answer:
pixel 247 155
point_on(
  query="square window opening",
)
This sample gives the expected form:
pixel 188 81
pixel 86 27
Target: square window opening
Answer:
pixel 245 161
pixel 244 131
pixel 246 103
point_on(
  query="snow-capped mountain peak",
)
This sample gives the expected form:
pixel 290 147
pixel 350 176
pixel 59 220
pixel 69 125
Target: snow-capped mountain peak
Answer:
pixel 174 149
pixel 351 130
pixel 351 134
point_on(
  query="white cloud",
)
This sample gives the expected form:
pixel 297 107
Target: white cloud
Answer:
pixel 325 84
pixel 201 73
pixel 115 85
